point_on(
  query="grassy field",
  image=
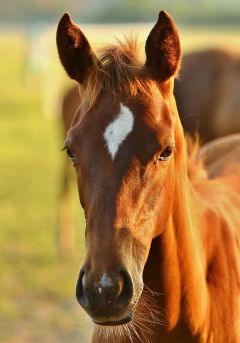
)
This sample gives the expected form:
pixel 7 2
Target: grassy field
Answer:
pixel 37 301
pixel 37 287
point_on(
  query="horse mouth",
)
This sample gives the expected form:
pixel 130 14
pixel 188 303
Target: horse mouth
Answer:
pixel 129 316
pixel 118 322
pixel 123 321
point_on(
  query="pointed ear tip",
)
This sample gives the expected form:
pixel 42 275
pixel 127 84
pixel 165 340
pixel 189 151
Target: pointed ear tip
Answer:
pixel 65 18
pixel 164 14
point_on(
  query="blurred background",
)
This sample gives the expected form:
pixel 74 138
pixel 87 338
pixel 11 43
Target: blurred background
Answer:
pixel 37 302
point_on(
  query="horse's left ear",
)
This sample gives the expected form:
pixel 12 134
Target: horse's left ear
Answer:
pixel 74 50
pixel 163 50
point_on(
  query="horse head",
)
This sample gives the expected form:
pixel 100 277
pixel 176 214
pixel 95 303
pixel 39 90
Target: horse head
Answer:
pixel 125 143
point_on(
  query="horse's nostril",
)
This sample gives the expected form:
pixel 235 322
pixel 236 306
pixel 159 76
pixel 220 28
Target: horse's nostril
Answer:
pixel 126 288
pixel 104 297
pixel 80 294
pixel 120 286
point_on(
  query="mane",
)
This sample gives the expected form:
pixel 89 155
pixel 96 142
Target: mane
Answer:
pixel 195 165
pixel 199 169
pixel 119 69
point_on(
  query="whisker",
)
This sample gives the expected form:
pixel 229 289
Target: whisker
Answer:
pixel 146 316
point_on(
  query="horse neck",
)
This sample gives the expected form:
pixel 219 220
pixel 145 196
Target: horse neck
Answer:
pixel 181 277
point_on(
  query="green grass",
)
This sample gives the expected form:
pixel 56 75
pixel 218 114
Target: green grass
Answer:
pixel 37 286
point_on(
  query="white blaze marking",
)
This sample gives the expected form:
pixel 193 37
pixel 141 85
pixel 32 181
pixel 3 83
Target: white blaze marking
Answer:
pixel 118 130
pixel 100 290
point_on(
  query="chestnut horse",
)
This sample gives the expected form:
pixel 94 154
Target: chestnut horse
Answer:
pixel 162 239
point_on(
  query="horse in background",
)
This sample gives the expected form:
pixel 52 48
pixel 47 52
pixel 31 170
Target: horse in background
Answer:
pixel 154 219
pixel 207 93
pixel 207 96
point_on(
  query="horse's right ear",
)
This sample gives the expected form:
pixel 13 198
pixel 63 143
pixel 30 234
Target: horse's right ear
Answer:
pixel 74 50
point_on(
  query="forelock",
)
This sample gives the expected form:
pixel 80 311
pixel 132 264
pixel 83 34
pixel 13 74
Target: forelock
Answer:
pixel 119 71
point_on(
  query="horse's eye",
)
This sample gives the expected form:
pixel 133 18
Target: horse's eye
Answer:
pixel 166 154
pixel 71 156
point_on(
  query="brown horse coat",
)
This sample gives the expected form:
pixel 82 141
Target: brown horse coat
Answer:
pixel 207 93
